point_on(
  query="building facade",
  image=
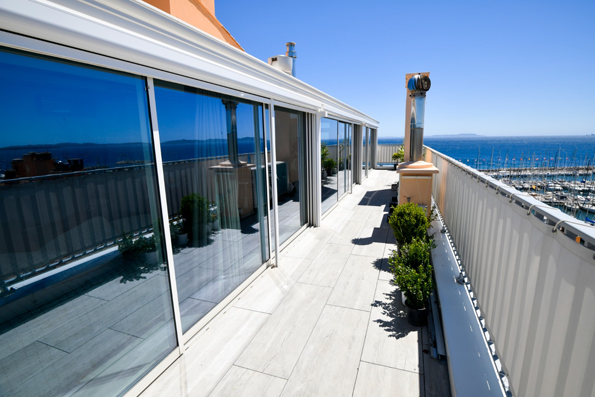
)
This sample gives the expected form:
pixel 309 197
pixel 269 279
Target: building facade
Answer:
pixel 150 171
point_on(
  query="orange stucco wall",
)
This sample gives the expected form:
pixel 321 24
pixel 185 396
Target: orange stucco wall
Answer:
pixel 416 189
pixel 198 13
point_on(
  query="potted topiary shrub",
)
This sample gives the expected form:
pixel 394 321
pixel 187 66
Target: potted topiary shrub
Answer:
pixel 409 221
pixel 399 156
pixel 194 209
pixel 413 276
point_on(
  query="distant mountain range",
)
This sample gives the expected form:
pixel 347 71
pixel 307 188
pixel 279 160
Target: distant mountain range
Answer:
pixel 455 136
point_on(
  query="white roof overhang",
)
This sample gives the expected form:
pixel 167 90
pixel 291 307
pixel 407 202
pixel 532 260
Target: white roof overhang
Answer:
pixel 136 32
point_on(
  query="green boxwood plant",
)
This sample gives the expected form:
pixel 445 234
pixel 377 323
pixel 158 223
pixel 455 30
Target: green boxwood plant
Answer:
pixel 409 221
pixel 413 271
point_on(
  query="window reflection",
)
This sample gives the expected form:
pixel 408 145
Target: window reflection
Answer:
pixel 83 281
pixel 291 183
pixel 330 157
pixel 213 160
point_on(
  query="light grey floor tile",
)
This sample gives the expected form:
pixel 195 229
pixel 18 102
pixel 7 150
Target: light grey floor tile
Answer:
pixel 313 239
pixel 371 242
pixel 391 340
pixel 265 293
pixel 212 352
pixel 377 219
pixel 278 345
pixel 336 218
pixel 385 273
pixel 347 233
pixel 328 365
pixel 21 365
pixel 328 265
pixel 375 250
pixel 360 214
pixel 242 382
pixel 379 381
pixel 357 283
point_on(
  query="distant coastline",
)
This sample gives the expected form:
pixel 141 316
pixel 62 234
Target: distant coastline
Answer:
pixel 456 136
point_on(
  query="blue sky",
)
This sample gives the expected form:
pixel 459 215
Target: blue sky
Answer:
pixel 497 68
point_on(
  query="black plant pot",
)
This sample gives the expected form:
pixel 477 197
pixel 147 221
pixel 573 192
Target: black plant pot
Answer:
pixel 417 317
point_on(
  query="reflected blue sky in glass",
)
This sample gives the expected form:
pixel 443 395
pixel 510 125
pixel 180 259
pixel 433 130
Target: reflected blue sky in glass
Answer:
pixel 86 294
pixel 64 97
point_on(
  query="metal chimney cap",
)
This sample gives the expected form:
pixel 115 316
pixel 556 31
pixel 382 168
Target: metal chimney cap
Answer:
pixel 419 83
pixel 291 49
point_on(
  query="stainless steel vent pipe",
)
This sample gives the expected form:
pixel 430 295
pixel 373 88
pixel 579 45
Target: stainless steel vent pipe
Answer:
pixel 418 85
pixel 285 63
pixel 291 52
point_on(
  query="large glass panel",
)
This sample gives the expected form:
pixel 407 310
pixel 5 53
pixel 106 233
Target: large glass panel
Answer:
pixel 213 160
pixel 85 305
pixel 290 145
pixel 330 156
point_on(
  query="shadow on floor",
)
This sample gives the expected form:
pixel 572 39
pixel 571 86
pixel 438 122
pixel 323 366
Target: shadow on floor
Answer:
pixel 397 326
pixel 382 265
pixel 378 236
pixel 377 198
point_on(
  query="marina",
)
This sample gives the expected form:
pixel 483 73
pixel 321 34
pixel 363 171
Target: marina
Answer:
pixel 571 189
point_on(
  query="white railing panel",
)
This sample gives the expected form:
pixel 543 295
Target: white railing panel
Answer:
pixel 535 287
pixel 385 153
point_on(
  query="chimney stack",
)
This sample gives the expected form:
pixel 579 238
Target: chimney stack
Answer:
pixel 285 63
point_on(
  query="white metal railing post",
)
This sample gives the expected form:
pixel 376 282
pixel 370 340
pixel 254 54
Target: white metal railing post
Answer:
pixel 164 215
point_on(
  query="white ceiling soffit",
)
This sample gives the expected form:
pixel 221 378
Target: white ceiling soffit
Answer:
pixel 137 32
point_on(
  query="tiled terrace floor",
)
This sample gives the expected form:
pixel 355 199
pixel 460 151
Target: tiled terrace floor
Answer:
pixel 326 322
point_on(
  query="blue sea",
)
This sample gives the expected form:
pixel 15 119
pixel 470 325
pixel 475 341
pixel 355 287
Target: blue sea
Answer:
pixel 517 151
pixel 499 152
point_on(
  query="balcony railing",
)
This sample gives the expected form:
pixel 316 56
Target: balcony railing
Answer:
pixel 385 153
pixel 532 270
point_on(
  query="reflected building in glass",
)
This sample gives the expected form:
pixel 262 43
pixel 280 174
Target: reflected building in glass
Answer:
pixel 148 174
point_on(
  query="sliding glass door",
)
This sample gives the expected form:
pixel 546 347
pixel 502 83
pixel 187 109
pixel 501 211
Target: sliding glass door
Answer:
pixel 290 168
pixel 85 300
pixel 329 160
pixel 212 147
